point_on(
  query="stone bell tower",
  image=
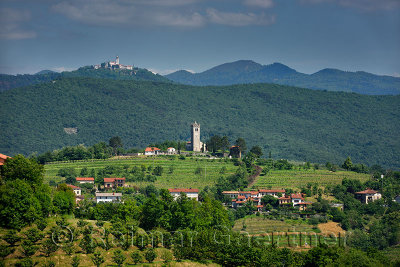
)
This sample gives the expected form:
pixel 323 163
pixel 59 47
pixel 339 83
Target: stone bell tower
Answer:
pixel 196 144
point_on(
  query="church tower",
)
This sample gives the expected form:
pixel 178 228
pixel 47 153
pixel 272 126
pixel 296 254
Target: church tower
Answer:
pixel 117 60
pixel 196 144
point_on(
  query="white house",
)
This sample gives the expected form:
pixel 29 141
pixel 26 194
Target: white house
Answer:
pixel 108 197
pixel 171 151
pixel 368 195
pixel 189 192
pixel 77 190
pixel 83 180
pixel 151 151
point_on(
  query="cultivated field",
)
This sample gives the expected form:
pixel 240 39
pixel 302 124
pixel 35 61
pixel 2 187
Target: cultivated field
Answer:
pixel 299 178
pixel 183 174
pixel 286 233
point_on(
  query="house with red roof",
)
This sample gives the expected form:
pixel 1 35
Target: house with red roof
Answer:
pixel 239 198
pixel 151 151
pixel 189 192
pixel 3 159
pixel 171 151
pixel 368 195
pixel 114 182
pixel 83 180
pixel 296 200
pixel 77 190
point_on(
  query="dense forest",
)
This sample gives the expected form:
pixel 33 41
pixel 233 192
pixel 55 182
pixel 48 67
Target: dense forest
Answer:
pixel 13 81
pixel 247 71
pixel 289 122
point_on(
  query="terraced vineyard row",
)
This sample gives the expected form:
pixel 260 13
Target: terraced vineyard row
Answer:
pixel 299 178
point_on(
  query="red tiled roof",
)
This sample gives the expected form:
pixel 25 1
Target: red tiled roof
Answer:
pixel 183 190
pixel 85 179
pixel 272 190
pixel 73 186
pixel 230 192
pixel 367 191
pixel 298 195
pixel 241 197
pixel 111 180
pixel 240 202
pixel 171 148
pixel 259 206
pixel 151 149
pixel 2 156
pixel 254 192
pixel 284 198
pixel 245 192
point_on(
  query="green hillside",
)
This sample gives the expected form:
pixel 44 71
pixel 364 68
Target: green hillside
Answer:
pixel 294 123
pixel 13 81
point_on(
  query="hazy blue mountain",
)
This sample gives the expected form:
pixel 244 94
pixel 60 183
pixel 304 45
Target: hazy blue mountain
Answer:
pixel 291 122
pixel 247 71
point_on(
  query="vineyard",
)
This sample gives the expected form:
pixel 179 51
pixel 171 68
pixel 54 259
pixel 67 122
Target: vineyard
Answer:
pixel 299 178
pixel 190 172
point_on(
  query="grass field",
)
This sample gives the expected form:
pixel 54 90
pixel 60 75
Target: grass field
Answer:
pixel 287 233
pixel 257 224
pixel 183 174
pixel 299 178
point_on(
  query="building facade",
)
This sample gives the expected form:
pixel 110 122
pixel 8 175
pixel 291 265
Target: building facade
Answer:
pixel 108 197
pixel 189 192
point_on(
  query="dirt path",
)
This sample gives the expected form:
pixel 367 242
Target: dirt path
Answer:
pixel 252 178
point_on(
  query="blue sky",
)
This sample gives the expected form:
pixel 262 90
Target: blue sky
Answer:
pixel 167 35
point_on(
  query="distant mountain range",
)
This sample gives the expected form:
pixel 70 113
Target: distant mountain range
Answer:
pixel 13 81
pixel 247 72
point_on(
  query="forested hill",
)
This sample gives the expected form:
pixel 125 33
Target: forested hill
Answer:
pixel 293 123
pixel 247 71
pixel 13 81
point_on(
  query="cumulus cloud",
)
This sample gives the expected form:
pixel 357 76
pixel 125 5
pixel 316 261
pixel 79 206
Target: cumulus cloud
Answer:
pixel 259 3
pixel 238 19
pixel 174 13
pixel 123 12
pixel 364 5
pixel 12 22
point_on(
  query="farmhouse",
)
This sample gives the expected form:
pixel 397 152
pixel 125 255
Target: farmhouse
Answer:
pixel 84 180
pixel 3 159
pixel 151 151
pixel 189 192
pixel 296 199
pixel 77 190
pixel 239 198
pixel 171 151
pixel 368 195
pixel 114 182
pixel 108 197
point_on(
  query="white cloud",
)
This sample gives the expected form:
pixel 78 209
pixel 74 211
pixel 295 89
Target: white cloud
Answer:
pixel 172 13
pixel 11 21
pixel 259 3
pixel 238 19
pixel 364 5
pixel 129 13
